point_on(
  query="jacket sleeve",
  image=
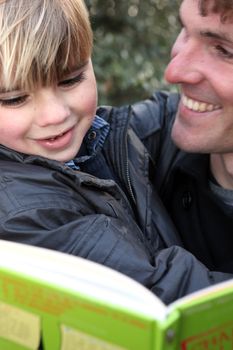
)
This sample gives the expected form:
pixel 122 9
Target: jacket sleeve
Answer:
pixel 179 273
pixel 89 218
pixel 108 240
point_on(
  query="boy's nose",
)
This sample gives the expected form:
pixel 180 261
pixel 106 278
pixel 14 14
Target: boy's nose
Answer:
pixel 53 110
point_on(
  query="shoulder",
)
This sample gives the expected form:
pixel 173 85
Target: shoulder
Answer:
pixel 144 117
pixel 116 116
pixel 25 182
pixel 154 113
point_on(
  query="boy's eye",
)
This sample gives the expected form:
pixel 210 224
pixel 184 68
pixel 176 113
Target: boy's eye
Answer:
pixel 13 101
pixel 72 81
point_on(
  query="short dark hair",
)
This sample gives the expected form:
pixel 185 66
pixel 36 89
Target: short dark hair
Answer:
pixel 223 7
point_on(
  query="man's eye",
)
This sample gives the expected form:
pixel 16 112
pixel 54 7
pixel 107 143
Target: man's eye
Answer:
pixel 224 52
pixel 13 101
pixel 72 81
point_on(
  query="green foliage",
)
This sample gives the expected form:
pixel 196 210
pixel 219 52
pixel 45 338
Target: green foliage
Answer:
pixel 132 41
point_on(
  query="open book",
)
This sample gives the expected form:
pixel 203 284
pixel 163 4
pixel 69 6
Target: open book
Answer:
pixel 53 301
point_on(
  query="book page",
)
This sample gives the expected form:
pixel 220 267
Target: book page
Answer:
pixel 77 274
pixel 202 293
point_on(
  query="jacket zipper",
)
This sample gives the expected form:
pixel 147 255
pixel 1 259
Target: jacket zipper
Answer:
pixel 127 180
pixel 125 163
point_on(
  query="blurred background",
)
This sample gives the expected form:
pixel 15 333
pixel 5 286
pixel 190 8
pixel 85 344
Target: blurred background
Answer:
pixel 132 41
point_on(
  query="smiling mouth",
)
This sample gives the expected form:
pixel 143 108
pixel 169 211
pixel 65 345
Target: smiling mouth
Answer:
pixel 198 106
pixel 55 137
pixel 59 141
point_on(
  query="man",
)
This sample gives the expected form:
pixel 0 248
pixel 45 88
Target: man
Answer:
pixel 196 184
pixel 202 64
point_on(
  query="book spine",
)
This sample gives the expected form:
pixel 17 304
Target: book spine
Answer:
pixel 168 333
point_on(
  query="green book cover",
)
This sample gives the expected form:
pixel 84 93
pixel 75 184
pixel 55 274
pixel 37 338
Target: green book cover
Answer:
pixel 53 301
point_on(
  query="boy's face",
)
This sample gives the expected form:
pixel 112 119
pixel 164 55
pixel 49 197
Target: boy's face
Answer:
pixel 202 64
pixel 50 122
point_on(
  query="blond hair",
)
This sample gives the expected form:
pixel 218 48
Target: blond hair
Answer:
pixel 41 40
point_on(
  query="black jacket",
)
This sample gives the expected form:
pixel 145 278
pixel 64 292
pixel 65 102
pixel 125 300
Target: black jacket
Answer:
pixel 204 222
pixel 44 203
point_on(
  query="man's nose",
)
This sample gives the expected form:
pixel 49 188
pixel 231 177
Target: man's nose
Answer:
pixel 185 64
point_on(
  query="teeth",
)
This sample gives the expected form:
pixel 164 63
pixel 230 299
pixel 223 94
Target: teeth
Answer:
pixel 55 137
pixel 198 106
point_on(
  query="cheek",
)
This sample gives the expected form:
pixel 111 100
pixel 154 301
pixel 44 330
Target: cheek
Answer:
pixel 12 137
pixel 86 99
pixel 14 126
pixel 90 102
pixel 11 128
pixel 224 88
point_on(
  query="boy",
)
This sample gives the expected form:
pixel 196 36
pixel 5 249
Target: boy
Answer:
pixel 70 180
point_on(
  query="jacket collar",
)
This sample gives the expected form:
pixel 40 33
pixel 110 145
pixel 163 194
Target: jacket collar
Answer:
pixel 195 165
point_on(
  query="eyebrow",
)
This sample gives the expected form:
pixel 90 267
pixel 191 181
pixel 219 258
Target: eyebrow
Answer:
pixel 208 33
pixel 219 36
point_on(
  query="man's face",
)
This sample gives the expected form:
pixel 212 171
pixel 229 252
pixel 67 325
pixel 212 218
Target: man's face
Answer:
pixel 202 64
